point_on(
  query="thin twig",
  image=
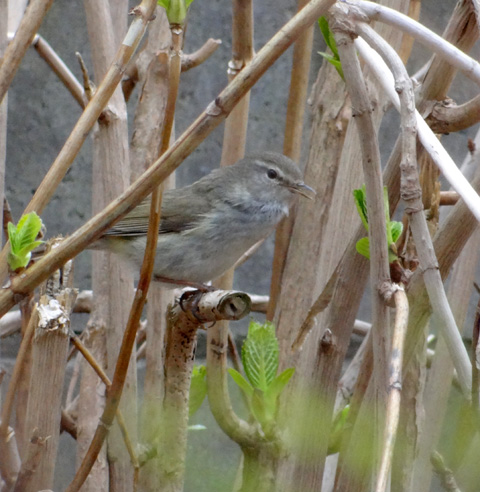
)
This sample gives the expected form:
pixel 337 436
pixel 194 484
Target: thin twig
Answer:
pixel 292 145
pixel 60 69
pixel 394 388
pixel 202 54
pixel 16 49
pixel 446 475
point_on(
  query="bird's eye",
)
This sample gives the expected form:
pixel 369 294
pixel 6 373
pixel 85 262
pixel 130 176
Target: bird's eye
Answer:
pixel 272 174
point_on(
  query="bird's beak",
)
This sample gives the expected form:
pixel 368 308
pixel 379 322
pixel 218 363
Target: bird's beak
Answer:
pixel 303 189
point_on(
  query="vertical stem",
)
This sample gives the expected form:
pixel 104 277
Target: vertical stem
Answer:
pixel 379 269
pixel 297 97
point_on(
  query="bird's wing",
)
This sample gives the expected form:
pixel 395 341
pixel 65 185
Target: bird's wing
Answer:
pixel 174 217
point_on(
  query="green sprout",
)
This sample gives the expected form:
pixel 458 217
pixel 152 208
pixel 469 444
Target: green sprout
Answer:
pixel 334 59
pixel 394 228
pixel 176 10
pixel 260 357
pixel 339 426
pixel 23 240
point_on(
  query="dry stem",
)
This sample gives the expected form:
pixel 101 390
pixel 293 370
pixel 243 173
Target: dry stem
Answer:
pixel 394 388
pixel 17 48
pixel 292 145
pixel 379 268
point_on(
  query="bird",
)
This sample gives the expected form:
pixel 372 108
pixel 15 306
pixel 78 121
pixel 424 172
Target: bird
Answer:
pixel 207 226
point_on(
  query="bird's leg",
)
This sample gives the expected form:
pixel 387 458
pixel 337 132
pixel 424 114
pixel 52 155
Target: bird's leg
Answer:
pixel 184 283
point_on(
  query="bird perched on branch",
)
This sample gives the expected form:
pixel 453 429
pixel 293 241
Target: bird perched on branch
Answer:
pixel 207 226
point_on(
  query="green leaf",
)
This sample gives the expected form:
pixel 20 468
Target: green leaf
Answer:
pixel 387 215
pixel 360 197
pixel 176 10
pixel 328 36
pixel 396 229
pixel 198 389
pixel 258 406
pixel 363 247
pixel 23 240
pixel 260 355
pixel 334 61
pixel 12 236
pixel 241 382
pixel 338 429
pixel 280 382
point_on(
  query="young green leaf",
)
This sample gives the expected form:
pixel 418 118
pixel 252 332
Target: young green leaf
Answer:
pixel 23 240
pixel 176 10
pixel 363 247
pixel 338 429
pixel 198 389
pixel 331 43
pixel 396 229
pixel 328 35
pixel 280 382
pixel 242 383
pixel 334 61
pixel 258 406
pixel 360 197
pixel 260 355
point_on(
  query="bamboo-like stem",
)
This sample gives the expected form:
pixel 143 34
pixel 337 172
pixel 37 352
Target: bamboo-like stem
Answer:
pixel 49 359
pixel 205 123
pixel 235 133
pixel 411 194
pixel 292 145
pixel 87 119
pixel 60 69
pixel 379 268
pixel 392 413
pixel 153 73
pixel 17 48
pixel 9 476
pixel 118 381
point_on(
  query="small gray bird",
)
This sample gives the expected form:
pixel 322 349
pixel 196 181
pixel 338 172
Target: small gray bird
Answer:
pixel 207 226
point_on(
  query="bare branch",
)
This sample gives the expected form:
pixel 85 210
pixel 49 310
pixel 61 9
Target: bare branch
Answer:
pixel 203 53
pixel 394 388
pixel 31 20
